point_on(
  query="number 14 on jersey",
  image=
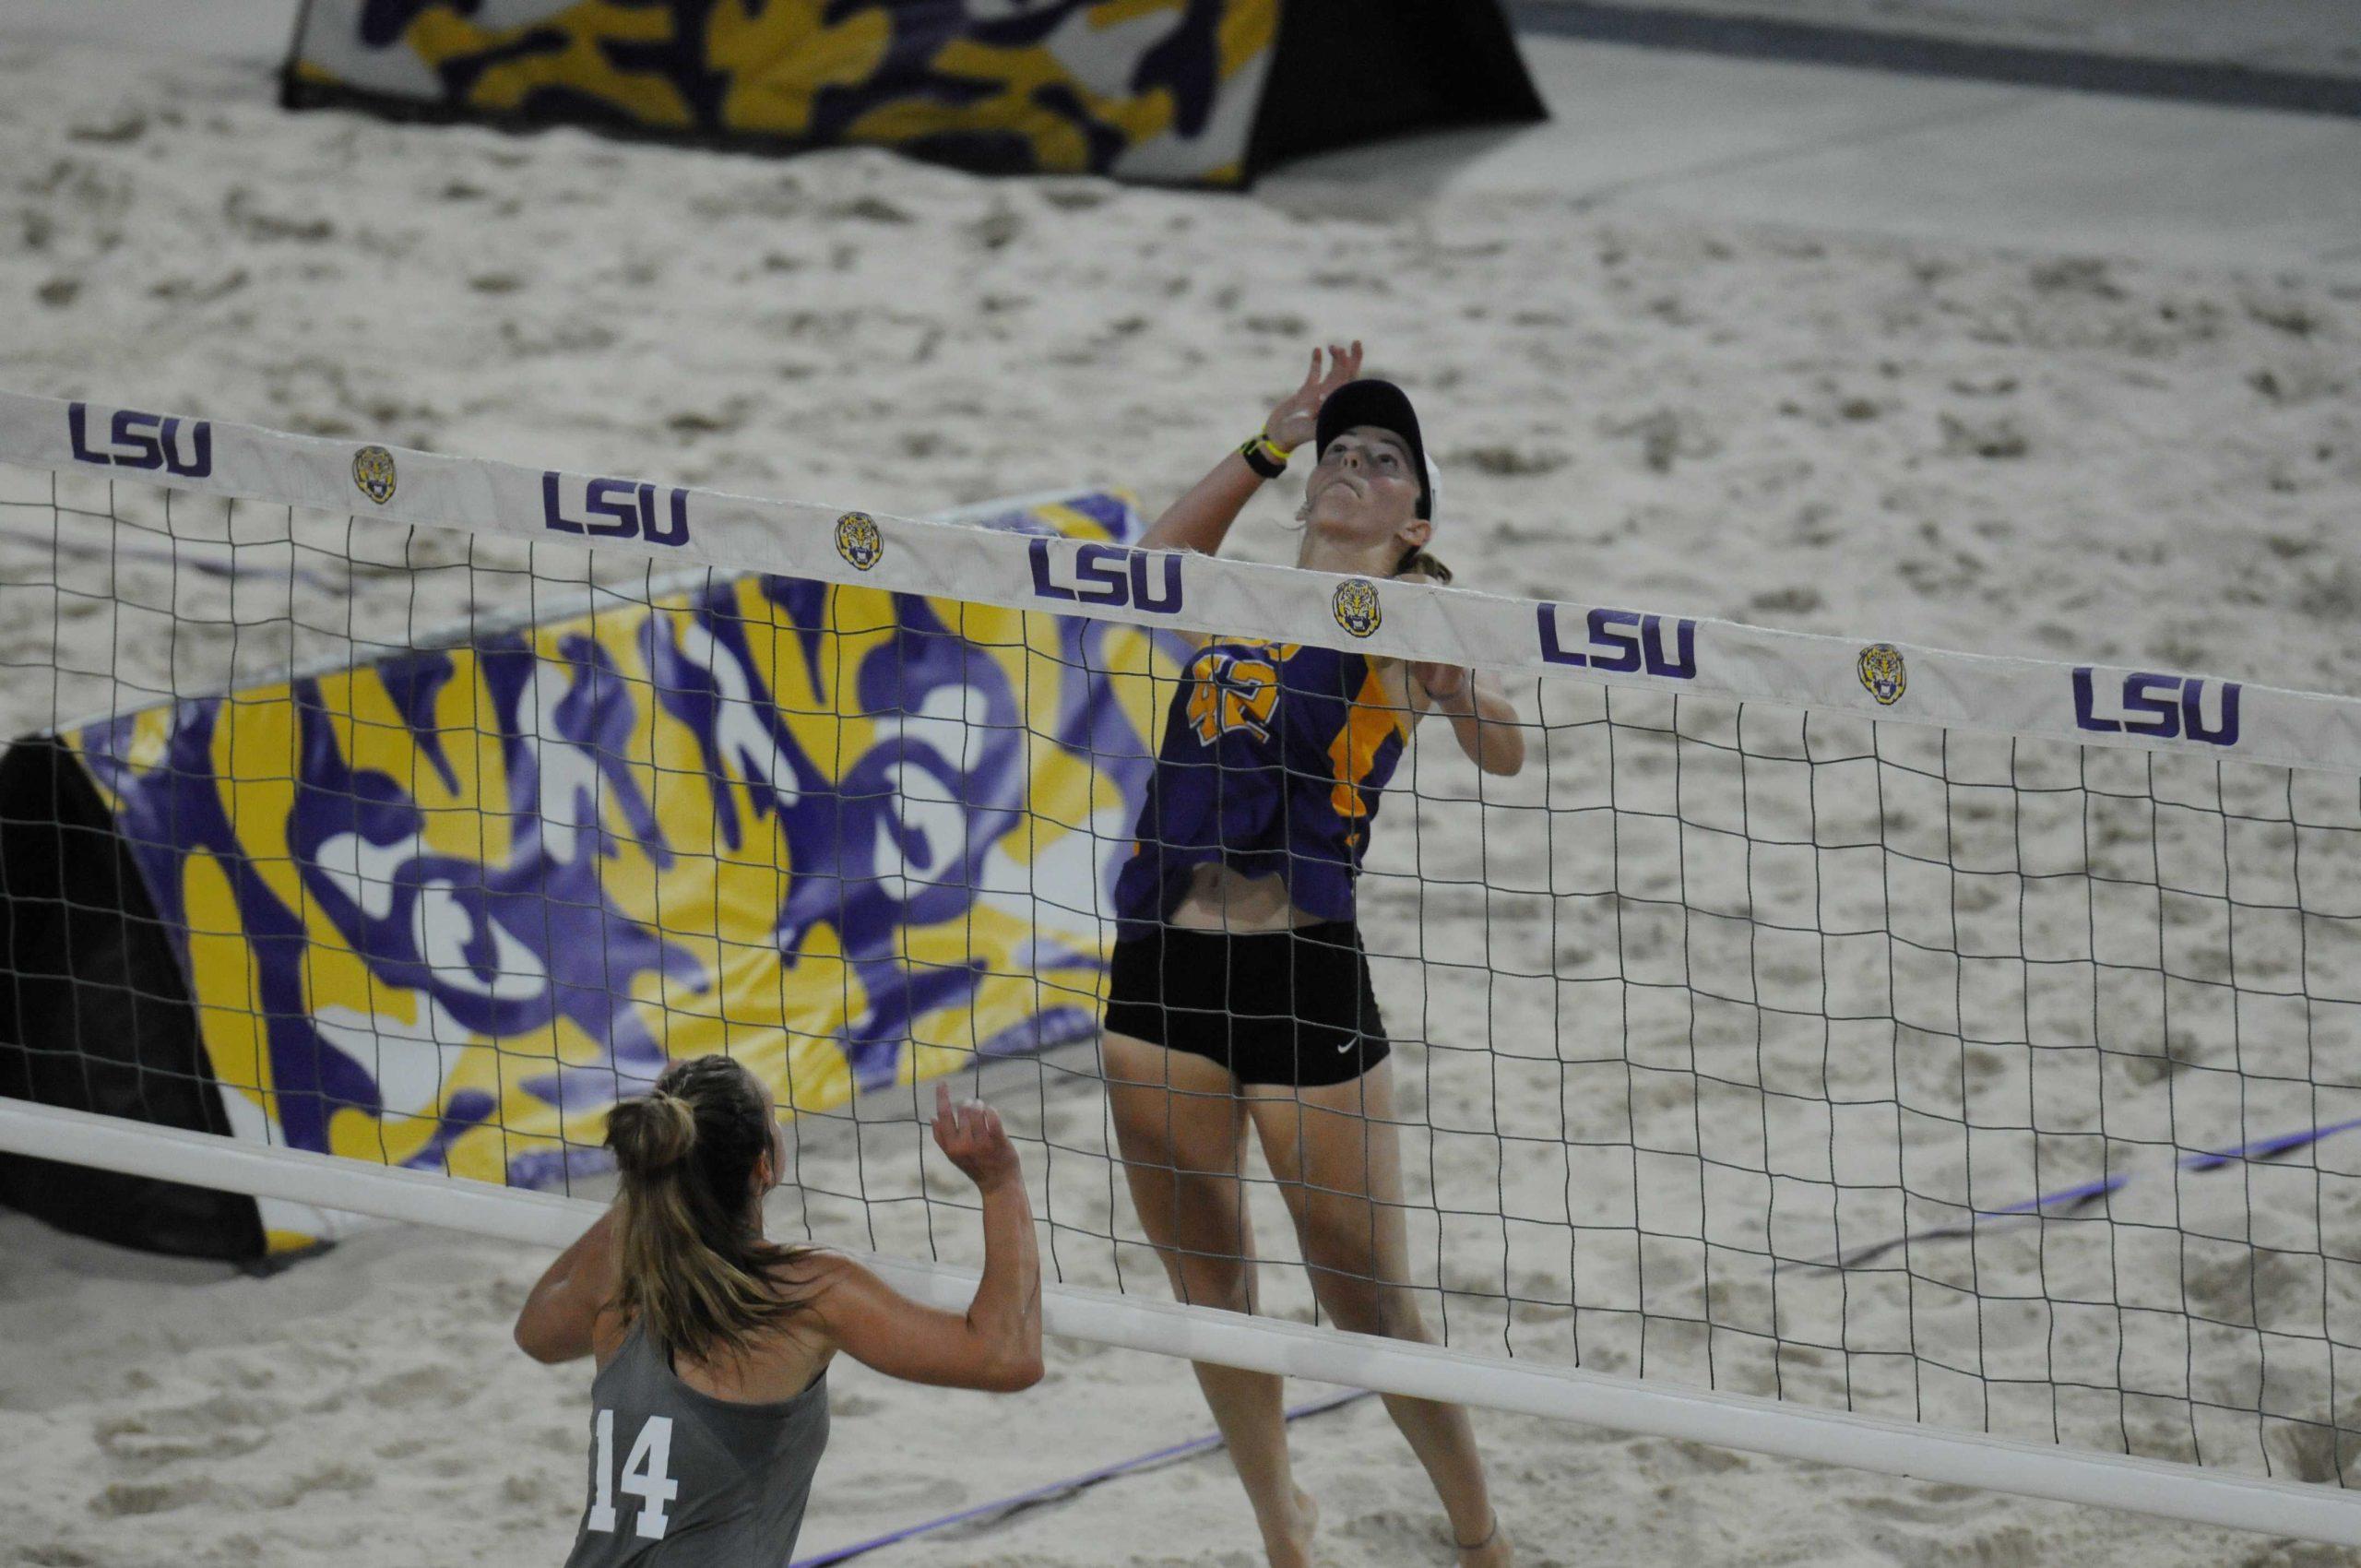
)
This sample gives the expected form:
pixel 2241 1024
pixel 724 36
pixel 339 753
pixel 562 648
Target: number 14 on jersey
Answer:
pixel 648 1475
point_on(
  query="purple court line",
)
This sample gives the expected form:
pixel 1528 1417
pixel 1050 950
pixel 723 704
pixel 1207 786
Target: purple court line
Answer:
pixel 2066 1199
pixel 1058 1491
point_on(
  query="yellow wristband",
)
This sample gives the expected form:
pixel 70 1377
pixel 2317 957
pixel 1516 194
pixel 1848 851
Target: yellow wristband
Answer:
pixel 1281 453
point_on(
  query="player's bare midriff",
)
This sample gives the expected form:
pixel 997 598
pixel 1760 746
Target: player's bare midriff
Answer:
pixel 1221 898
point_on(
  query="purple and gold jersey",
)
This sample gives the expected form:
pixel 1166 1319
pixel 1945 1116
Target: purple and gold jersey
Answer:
pixel 1273 758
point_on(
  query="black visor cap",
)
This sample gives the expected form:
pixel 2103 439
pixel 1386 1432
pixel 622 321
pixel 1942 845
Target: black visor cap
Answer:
pixel 1385 406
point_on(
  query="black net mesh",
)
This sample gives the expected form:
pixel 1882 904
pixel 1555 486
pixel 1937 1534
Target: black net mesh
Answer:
pixel 1987 1081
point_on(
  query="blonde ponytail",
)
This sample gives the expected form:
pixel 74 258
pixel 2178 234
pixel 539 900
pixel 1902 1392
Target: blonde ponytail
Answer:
pixel 693 1270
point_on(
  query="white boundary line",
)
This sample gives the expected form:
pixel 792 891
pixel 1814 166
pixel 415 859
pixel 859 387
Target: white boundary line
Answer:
pixel 1764 1426
pixel 2089 704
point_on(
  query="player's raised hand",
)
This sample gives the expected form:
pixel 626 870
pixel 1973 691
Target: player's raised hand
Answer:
pixel 1444 682
pixel 971 1137
pixel 1296 417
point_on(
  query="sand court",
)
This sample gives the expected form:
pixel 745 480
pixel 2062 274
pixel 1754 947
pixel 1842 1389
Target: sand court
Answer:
pixel 1990 368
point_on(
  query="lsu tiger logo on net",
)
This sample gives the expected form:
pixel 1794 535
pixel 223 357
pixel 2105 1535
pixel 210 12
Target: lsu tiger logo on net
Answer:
pixel 1356 608
pixel 859 539
pixel 373 474
pixel 1883 673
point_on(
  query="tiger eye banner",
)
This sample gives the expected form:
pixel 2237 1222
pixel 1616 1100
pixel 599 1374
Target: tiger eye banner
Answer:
pixel 1169 91
pixel 443 909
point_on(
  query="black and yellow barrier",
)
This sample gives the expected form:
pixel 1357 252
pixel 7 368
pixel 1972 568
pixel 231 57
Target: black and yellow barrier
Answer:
pixel 1167 91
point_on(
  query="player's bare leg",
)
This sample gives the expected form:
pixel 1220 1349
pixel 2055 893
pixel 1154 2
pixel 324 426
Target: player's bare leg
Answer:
pixel 1337 1157
pixel 1182 1130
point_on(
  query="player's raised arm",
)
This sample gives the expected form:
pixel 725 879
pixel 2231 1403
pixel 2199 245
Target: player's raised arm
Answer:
pixel 1200 520
pixel 1483 720
pixel 996 1344
pixel 562 1309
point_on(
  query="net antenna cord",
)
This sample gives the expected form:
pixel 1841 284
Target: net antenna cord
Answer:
pixel 1324 1355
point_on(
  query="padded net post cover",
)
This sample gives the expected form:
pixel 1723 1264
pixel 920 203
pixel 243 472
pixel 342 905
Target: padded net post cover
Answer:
pixel 95 1015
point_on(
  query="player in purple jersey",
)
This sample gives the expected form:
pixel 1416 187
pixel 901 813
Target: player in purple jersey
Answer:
pixel 1239 991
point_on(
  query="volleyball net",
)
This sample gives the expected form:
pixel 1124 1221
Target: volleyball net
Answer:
pixel 1944 1064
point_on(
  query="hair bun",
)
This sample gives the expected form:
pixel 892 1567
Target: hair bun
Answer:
pixel 651 1133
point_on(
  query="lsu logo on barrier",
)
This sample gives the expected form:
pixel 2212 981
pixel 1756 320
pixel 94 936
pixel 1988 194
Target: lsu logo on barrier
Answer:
pixel 2166 707
pixel 1623 642
pixel 1112 574
pixel 136 440
pixel 615 508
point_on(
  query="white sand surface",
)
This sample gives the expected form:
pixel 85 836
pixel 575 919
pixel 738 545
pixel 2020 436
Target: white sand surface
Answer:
pixel 1953 443
pixel 369 1409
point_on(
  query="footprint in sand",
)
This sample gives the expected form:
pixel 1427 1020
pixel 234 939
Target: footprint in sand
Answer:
pixel 129 1498
pixel 898 1492
pixel 128 1442
pixel 339 1477
pixel 53 1555
pixel 527 1489
pixel 220 1427
pixel 416 1385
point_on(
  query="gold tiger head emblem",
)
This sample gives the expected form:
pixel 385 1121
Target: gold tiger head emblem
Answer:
pixel 859 541
pixel 1883 673
pixel 1356 608
pixel 373 472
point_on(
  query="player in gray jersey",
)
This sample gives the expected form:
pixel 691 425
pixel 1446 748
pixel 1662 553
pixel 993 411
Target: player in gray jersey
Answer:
pixel 710 1406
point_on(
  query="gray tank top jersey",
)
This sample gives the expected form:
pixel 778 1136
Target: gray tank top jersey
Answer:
pixel 684 1479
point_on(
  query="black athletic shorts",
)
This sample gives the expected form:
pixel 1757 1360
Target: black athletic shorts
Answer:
pixel 1290 1007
